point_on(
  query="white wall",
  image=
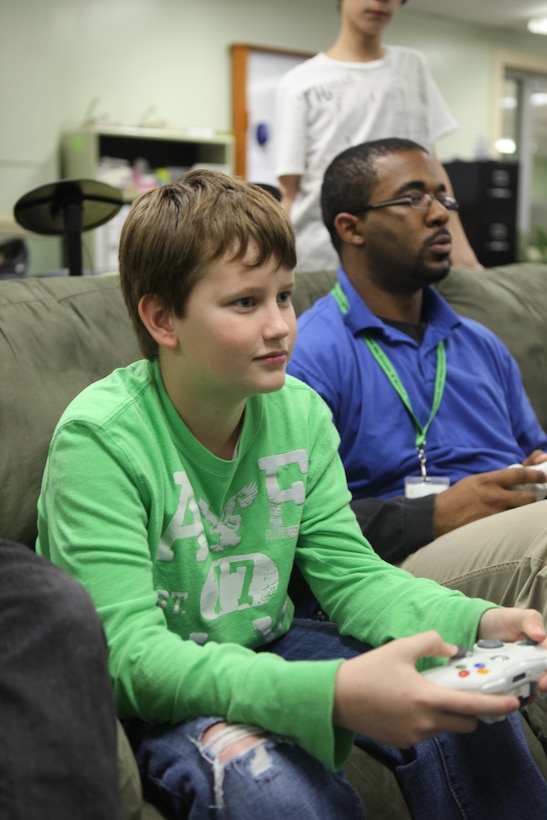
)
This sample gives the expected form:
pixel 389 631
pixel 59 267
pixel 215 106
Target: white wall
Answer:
pixel 461 58
pixel 57 56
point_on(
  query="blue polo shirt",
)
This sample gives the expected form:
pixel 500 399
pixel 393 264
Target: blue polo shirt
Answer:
pixel 484 421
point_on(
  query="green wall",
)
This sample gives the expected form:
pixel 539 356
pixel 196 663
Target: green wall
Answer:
pixel 172 58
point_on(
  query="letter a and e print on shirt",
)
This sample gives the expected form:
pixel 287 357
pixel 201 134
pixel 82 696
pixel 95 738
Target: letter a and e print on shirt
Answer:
pixel 188 520
pixel 236 581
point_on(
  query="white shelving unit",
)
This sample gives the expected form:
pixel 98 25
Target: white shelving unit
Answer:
pixel 83 153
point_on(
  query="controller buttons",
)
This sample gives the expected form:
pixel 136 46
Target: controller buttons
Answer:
pixel 479 665
pixel 463 673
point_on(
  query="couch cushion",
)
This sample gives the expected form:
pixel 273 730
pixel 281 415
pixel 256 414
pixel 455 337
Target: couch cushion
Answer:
pixel 512 301
pixel 309 287
pixel 57 335
pixel 133 805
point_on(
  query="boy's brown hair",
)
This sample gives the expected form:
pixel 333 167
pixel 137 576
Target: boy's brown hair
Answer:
pixel 174 232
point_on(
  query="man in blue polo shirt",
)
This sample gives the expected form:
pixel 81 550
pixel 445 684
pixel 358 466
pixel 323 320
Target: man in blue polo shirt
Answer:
pixel 430 406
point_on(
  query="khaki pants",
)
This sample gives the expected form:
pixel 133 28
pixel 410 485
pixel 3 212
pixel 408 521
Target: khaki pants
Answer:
pixel 502 558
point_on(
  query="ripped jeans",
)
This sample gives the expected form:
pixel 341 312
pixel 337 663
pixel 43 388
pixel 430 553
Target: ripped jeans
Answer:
pixel 488 773
pixel 271 780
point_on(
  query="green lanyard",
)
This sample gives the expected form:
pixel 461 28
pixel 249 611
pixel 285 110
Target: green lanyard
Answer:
pixel 395 381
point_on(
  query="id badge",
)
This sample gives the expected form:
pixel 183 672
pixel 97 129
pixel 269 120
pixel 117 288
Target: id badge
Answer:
pixel 416 486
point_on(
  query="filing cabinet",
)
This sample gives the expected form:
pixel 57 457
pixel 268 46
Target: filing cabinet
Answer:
pixel 487 194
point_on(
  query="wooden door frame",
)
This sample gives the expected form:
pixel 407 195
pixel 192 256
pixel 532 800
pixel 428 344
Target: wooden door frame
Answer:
pixel 240 53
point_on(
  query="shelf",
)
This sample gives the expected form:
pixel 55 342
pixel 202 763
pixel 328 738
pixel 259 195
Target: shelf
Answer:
pixel 156 154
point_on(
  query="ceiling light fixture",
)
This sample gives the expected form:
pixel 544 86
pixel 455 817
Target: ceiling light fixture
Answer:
pixel 506 146
pixel 508 102
pixel 538 25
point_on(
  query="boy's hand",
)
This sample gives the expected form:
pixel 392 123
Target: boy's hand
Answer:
pixel 382 695
pixel 513 624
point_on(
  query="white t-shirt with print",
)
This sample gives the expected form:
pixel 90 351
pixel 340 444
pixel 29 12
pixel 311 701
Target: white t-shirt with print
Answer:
pixel 325 106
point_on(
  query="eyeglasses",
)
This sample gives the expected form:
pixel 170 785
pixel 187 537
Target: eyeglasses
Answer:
pixel 417 200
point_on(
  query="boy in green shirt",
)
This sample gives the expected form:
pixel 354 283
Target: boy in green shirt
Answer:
pixel 181 490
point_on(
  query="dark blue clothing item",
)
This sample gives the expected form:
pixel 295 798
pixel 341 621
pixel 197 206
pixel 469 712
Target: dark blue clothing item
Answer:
pixel 484 422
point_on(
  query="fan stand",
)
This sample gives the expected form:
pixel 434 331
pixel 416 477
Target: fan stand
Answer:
pixel 67 208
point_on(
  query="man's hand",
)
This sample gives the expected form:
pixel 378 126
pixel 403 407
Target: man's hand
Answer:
pixel 535 457
pixel 381 694
pixel 484 494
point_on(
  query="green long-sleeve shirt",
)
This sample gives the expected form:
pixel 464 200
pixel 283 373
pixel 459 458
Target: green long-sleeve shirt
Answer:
pixel 188 557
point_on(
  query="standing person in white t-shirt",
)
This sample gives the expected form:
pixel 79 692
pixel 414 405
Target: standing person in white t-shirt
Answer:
pixel 358 90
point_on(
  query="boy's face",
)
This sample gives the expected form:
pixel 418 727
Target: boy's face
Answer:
pixel 237 332
pixel 368 16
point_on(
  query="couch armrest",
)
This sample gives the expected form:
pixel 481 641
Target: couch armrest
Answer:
pixel 57 335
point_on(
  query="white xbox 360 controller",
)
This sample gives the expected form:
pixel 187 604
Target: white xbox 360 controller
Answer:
pixel 495 667
pixel 539 489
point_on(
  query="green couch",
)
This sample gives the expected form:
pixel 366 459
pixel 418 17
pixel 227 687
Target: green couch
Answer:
pixel 59 334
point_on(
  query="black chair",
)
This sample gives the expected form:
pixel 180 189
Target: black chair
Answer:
pixel 272 189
